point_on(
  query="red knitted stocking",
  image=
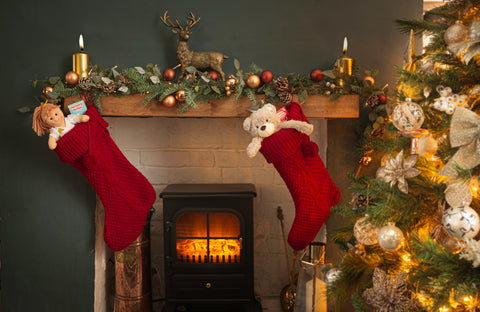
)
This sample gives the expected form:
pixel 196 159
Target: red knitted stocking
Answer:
pixel 296 159
pixel 125 193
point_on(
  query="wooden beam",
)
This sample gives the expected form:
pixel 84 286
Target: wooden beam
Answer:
pixel 316 106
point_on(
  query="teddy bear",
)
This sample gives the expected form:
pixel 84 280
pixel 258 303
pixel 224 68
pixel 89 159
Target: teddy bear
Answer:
pixel 264 122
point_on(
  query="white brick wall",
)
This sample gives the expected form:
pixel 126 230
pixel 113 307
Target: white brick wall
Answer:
pixel 212 150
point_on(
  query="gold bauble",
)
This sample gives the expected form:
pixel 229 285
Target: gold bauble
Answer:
pixel 231 82
pixel 368 79
pixel 45 92
pixel 169 101
pixel 72 77
pixel 253 81
pixel 229 92
pixel 455 33
pixel 180 96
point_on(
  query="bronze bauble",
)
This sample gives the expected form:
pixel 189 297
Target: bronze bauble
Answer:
pixel 168 74
pixel 253 81
pixel 45 92
pixel 180 96
pixel 169 101
pixel 72 77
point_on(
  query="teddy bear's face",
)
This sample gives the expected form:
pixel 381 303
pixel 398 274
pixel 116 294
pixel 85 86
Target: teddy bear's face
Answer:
pixel 263 122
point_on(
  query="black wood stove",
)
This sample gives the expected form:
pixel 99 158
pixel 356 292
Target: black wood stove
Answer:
pixel 208 236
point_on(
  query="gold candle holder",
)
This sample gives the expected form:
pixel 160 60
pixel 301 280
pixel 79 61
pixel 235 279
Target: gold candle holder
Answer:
pixel 81 60
pixel 343 65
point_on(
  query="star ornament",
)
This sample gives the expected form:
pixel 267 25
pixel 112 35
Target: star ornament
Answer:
pixel 396 171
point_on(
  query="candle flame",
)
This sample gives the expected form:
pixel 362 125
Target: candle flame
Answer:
pixel 80 42
pixel 345 45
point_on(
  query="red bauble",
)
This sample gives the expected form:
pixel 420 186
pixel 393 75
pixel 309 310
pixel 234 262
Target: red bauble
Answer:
pixel 266 76
pixel 168 74
pixel 316 75
pixel 382 99
pixel 213 75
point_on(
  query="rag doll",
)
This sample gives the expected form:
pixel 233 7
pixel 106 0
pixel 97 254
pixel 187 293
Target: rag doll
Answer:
pixel 126 194
pixel 50 118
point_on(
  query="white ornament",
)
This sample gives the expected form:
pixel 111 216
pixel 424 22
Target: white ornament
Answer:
pixel 461 222
pixel 390 237
pixel 365 232
pixel 332 275
pixel 448 101
pixel 408 116
pixel 471 251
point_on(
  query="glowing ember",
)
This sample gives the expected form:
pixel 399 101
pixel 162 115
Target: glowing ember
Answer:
pixel 221 250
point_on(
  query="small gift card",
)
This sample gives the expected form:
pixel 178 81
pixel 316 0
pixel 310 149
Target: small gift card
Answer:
pixel 282 113
pixel 78 108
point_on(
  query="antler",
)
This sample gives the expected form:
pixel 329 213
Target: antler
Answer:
pixel 191 21
pixel 165 19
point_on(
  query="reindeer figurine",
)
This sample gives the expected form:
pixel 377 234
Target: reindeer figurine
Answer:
pixel 200 60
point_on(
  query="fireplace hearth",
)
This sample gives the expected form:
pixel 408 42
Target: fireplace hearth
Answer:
pixel 208 239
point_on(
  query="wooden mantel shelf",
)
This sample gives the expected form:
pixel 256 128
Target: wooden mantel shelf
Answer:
pixel 316 106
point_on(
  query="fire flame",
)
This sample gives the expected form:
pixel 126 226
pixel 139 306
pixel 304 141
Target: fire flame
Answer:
pixel 199 249
pixel 80 42
pixel 345 45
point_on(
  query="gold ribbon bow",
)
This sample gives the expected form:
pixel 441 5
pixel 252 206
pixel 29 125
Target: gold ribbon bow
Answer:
pixel 464 133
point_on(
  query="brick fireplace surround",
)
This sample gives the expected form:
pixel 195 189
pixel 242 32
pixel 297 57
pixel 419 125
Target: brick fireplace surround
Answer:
pixel 204 150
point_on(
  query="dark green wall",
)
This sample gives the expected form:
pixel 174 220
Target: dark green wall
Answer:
pixel 47 217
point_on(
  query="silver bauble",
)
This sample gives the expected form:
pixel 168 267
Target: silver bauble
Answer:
pixel 390 237
pixel 461 222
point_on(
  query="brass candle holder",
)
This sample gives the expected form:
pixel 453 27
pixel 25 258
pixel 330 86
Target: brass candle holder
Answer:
pixel 81 60
pixel 343 66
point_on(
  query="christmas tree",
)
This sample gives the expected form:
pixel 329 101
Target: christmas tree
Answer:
pixel 412 242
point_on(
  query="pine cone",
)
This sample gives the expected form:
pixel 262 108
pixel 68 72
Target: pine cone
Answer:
pixel 360 202
pixel 378 133
pixel 281 84
pixel 84 83
pixel 108 87
pixel 286 97
pixel 124 80
pixel 191 77
pixel 372 101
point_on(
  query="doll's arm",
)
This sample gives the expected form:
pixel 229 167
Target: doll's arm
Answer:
pixel 83 118
pixel 52 142
pixel 254 147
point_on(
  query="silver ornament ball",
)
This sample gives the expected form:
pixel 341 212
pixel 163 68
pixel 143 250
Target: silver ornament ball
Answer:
pixel 390 237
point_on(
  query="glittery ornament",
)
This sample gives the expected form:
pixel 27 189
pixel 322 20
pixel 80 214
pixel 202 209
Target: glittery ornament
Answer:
pixel 471 251
pixel 396 170
pixel 455 33
pixel 332 275
pixel 461 222
pixel 458 193
pixel 390 237
pixel 388 294
pixel 408 116
pixel 365 232
pixel 469 48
